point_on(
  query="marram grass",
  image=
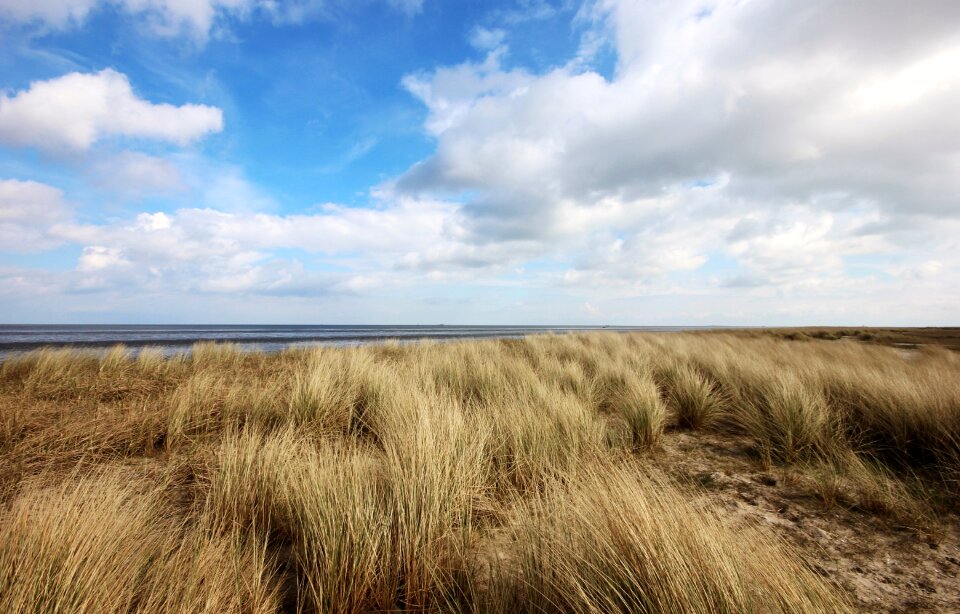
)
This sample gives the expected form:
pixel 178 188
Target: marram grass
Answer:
pixel 501 476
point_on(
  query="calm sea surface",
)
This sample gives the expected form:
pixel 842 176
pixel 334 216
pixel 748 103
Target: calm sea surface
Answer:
pixel 16 337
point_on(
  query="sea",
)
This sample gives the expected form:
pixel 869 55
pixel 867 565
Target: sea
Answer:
pixel 263 337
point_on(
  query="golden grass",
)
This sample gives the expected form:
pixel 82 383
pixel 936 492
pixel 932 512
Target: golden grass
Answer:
pixel 693 396
pixel 635 398
pixel 98 544
pixel 466 476
pixel 618 539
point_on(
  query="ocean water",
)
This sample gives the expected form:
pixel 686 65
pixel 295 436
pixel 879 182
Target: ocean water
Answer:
pixel 175 338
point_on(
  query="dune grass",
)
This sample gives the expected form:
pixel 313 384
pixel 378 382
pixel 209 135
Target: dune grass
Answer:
pixel 496 476
pixel 102 544
pixel 615 538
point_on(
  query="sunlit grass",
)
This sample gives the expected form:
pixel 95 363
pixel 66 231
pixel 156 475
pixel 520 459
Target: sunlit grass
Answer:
pixel 466 476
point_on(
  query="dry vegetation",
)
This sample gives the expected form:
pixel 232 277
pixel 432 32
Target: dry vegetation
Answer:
pixel 948 337
pixel 502 476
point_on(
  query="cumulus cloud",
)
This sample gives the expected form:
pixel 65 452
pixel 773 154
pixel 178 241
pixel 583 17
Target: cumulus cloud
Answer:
pixel 450 93
pixel 76 110
pixel 811 125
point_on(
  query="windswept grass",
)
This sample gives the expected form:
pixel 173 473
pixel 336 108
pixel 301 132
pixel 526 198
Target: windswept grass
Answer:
pixel 694 397
pixel 635 398
pixel 104 544
pixel 496 476
pixel 618 539
pixel 788 420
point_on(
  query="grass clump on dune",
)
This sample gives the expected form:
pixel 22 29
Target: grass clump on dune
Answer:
pixel 635 399
pixel 104 544
pixel 323 505
pixel 788 420
pixel 621 539
pixel 693 396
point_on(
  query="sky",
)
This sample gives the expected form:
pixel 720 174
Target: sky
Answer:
pixel 645 162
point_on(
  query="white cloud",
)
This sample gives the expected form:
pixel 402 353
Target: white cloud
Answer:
pixel 450 93
pixel 57 13
pixel 98 257
pixel 75 111
pixel 828 128
pixel 166 17
pixel 194 18
pixel 216 251
pixel 245 251
pixel 28 212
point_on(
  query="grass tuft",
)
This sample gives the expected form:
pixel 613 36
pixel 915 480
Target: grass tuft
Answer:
pixel 695 401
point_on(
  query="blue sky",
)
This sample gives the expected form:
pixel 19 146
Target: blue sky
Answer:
pixel 418 161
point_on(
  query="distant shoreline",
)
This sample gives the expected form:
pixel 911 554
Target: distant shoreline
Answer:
pixel 271 337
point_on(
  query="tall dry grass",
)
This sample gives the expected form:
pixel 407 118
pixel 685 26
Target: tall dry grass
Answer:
pixel 488 476
pixel 104 543
pixel 617 538
pixel 634 398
